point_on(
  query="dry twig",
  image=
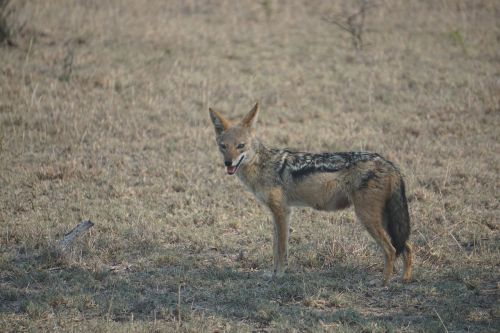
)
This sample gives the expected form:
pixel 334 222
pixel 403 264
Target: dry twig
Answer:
pixel 354 24
pixel 80 229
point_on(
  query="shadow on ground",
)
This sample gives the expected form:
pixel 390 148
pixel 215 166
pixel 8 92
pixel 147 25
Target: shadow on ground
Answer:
pixel 340 296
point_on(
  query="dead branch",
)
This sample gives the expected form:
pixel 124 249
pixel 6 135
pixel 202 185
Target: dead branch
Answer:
pixel 80 229
pixel 354 24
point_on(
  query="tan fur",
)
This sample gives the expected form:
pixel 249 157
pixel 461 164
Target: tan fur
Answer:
pixel 281 213
pixel 329 191
pixel 408 262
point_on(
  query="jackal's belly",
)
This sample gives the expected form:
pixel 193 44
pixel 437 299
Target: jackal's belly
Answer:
pixel 322 192
pixel 327 203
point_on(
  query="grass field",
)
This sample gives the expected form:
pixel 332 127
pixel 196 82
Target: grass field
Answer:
pixel 104 116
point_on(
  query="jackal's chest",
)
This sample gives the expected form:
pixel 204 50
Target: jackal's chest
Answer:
pixel 255 184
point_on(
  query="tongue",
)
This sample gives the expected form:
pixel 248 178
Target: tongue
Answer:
pixel 231 170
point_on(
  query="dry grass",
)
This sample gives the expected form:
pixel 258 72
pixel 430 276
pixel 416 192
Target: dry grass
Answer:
pixel 103 116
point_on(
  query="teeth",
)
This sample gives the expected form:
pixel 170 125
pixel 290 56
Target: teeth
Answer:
pixel 232 169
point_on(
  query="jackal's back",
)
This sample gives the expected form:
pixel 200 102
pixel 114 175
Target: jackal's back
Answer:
pixel 298 165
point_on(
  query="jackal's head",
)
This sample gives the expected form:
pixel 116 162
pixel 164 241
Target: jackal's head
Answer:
pixel 236 140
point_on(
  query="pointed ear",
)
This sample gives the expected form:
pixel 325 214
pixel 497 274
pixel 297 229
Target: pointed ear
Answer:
pixel 251 117
pixel 220 123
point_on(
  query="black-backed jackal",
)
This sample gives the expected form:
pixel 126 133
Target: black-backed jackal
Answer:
pixel 281 178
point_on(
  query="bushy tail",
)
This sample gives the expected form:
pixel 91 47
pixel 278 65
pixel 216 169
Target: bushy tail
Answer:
pixel 397 218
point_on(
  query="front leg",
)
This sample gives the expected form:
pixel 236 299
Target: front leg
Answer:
pixel 281 213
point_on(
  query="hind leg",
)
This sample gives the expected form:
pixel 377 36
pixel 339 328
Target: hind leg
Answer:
pixel 371 218
pixel 408 262
pixel 379 234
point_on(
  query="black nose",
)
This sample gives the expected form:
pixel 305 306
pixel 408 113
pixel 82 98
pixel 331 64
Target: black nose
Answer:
pixel 228 163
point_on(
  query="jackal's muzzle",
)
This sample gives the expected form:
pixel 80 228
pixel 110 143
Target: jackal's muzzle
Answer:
pixel 232 169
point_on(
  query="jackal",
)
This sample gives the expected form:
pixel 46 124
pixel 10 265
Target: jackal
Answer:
pixel 282 178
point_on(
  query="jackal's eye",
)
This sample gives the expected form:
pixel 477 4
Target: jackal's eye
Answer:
pixel 240 146
pixel 222 146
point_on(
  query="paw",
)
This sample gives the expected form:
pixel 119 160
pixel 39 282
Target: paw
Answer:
pixel 406 279
pixel 273 275
pixel 279 273
pixel 268 275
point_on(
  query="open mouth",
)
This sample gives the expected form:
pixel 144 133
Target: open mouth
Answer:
pixel 232 169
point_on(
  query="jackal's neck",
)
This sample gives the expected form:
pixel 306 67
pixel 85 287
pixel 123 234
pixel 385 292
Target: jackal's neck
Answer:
pixel 251 172
pixel 260 156
pixel 262 152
